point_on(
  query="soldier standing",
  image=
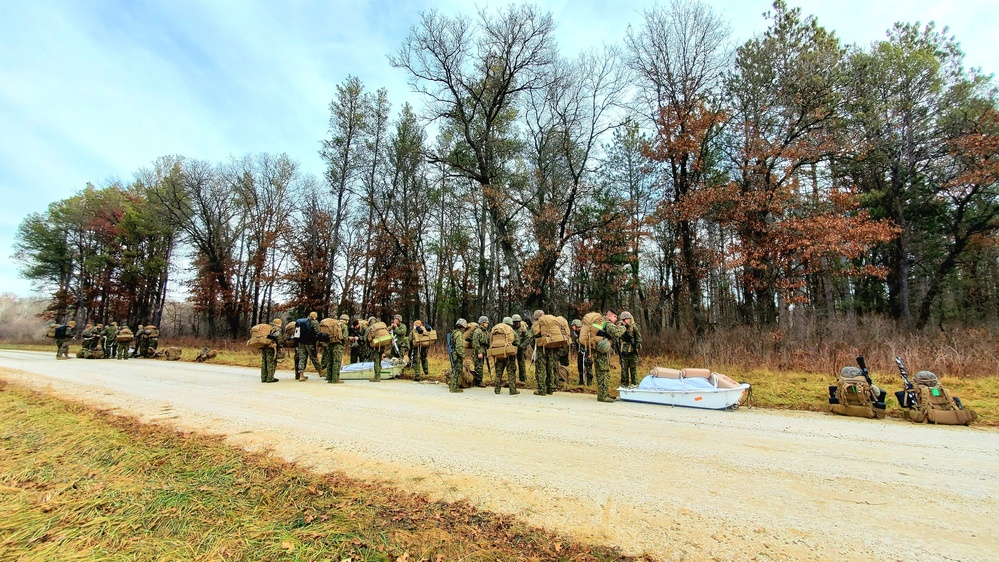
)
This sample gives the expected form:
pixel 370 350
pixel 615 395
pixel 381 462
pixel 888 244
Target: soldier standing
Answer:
pixel 111 340
pixel 98 338
pixel 333 355
pixel 508 364
pixel 526 338
pixel 584 363
pixel 601 362
pixel 62 336
pixel 420 366
pixel 268 354
pixel 457 354
pixel 143 341
pixel 631 346
pixel 152 340
pixel 306 349
pixel 401 336
pixel 122 347
pixel 87 337
pixel 374 354
pixel 545 371
pixel 480 343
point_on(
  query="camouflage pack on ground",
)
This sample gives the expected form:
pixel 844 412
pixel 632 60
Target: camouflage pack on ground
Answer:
pixel 935 404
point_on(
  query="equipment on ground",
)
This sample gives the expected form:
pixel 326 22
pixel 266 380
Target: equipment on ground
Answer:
pixel 926 401
pixel 689 388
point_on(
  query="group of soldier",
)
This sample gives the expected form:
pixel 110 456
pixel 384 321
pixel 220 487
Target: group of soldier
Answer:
pixel 622 335
pixel 107 340
pixel 326 353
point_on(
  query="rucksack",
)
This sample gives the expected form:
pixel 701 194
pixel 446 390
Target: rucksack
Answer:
pixel 593 322
pixel 124 335
pixel 60 332
pixel 172 353
pixel 501 342
pixel 152 332
pixel 935 404
pixel 331 327
pixel 289 335
pixel 51 332
pixel 304 332
pixel 551 332
pixel 379 336
pixel 854 398
pixel 426 339
pixel 258 336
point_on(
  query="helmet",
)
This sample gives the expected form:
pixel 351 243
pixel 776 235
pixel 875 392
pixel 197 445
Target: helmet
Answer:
pixel 313 315
pixel 538 314
pixel 577 323
pixel 850 372
pixel 517 318
pixel 397 317
pixel 461 323
pixel 99 326
pixel 372 320
pixel 626 316
pixel 277 322
pixel 508 321
pixel 115 324
pixel 483 320
pixel 72 323
pixel 345 318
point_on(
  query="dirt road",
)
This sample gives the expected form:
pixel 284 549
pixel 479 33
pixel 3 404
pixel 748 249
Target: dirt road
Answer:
pixel 677 484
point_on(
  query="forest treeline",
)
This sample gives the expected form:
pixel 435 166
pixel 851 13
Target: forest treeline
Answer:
pixel 695 185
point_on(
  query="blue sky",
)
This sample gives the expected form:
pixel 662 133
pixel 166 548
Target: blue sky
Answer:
pixel 93 90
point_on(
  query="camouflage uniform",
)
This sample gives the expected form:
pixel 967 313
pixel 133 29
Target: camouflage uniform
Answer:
pixel 584 362
pixel 111 340
pixel 62 344
pixel 143 346
pixel 601 361
pixel 152 342
pixel 526 338
pixel 359 353
pixel 333 354
pixel 508 364
pixel 457 356
pixel 122 348
pixel 545 370
pixel 98 338
pixel 268 355
pixel 374 355
pixel 480 343
pixel 87 337
pixel 401 336
pixel 631 345
pixel 420 365
pixel 306 351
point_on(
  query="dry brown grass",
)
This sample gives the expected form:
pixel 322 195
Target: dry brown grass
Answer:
pixel 80 484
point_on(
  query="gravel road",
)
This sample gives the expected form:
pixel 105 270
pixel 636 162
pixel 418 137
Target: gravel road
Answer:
pixel 674 483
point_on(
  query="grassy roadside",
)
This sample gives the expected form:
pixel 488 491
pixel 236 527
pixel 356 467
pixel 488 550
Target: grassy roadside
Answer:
pixel 80 484
pixel 784 390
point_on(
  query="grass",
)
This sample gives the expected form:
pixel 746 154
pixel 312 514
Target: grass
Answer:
pixel 790 388
pixel 80 484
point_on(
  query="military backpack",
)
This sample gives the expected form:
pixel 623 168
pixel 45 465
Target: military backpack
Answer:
pixel 854 397
pixel 501 342
pixel 331 328
pixel 934 403
pixel 258 337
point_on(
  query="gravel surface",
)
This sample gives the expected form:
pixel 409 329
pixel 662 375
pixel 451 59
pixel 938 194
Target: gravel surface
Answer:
pixel 674 483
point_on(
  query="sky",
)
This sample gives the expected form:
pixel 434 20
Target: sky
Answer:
pixel 93 90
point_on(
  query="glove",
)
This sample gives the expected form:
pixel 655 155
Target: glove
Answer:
pixel 602 333
pixel 272 337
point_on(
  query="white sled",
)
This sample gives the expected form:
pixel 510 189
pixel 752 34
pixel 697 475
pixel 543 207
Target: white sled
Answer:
pixel 687 388
pixel 391 368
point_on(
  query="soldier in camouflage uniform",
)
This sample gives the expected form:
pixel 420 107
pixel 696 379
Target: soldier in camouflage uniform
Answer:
pixel 480 343
pixel 420 365
pixel 143 346
pixel 152 341
pixel 584 362
pixel 306 351
pixel 87 337
pixel 601 362
pixel 508 364
pixel 545 369
pixel 374 355
pixel 359 354
pixel 62 343
pixel 98 338
pixel 526 338
pixel 631 346
pixel 268 355
pixel 110 340
pixel 401 336
pixel 333 356
pixel 122 347
pixel 457 354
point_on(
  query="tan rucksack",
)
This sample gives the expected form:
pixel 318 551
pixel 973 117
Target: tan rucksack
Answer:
pixel 172 353
pixel 426 339
pixel 551 332
pixel 593 322
pixel 289 335
pixel 379 336
pixel 152 332
pixel 258 337
pixel 855 398
pixel 51 331
pixel 501 342
pixel 124 335
pixel 467 334
pixel 332 328
pixel 936 404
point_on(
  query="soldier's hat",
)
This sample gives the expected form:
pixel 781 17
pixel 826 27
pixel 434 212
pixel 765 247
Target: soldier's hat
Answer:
pixel 461 323
pixel 627 316
pixel 313 315
pixel 538 313
pixel 397 317
pixel 345 317
pixel 277 322
pixel 483 319
pixel 577 323
pixel 517 318
pixel 508 321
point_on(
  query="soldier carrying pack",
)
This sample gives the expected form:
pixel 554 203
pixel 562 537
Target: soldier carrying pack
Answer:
pixel 501 342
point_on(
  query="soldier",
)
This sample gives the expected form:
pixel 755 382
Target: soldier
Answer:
pixel 526 337
pixel 87 337
pixel 508 364
pixel 631 346
pixel 457 354
pixel 138 340
pixel 306 349
pixel 111 340
pixel 545 371
pixel 374 355
pixel 584 363
pixel 62 336
pixel 98 338
pixel 601 362
pixel 480 343
pixel 122 347
pixel 268 355
pixel 359 353
pixel 142 348
pixel 420 366
pixel 333 355
pixel 152 340
pixel 400 336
